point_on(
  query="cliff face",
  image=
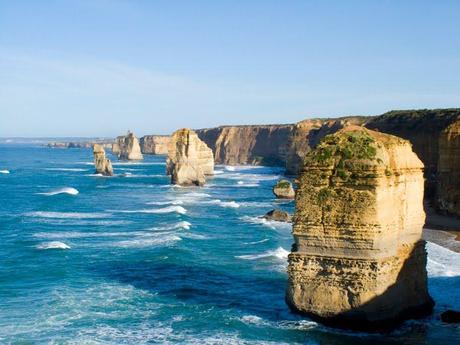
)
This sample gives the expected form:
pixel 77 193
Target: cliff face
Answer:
pixel 234 145
pixel 448 187
pixel 423 129
pixel 155 144
pixel 189 159
pixel 101 162
pixel 358 260
pixel 127 147
pixel 307 134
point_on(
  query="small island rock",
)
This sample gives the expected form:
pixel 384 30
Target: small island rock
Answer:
pixel 278 215
pixel 284 190
pixel 101 162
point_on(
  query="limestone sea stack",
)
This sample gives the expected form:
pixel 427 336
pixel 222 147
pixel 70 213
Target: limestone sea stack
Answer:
pixel 101 162
pixel 189 159
pixel 284 190
pixel 358 260
pixel 127 147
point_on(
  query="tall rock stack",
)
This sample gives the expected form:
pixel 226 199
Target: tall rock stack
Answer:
pixel 127 147
pixel 448 189
pixel 101 162
pixel 189 159
pixel 358 260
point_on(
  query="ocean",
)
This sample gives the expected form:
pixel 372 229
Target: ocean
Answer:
pixel 130 259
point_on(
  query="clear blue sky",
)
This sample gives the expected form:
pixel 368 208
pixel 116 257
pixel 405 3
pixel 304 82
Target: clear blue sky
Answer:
pixel 100 67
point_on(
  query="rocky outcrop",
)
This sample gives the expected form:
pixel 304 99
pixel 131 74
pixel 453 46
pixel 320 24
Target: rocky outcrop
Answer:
pixel 127 147
pixel 101 162
pixel 240 145
pixel 358 260
pixel 448 187
pixel 189 159
pixel 278 215
pixel 450 316
pixel 284 190
pixel 155 144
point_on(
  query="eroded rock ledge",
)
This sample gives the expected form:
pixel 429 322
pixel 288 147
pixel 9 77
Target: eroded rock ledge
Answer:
pixel 358 260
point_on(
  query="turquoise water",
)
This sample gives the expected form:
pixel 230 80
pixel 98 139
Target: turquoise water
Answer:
pixel 133 260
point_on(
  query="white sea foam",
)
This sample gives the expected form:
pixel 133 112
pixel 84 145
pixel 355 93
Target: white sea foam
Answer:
pixel 66 169
pixel 171 202
pixel 257 242
pixel 65 190
pixel 141 242
pixel 442 262
pixel 53 245
pixel 137 163
pixel 67 215
pixel 229 204
pixel 180 225
pixel 279 253
pixel 168 209
pixel 272 224
pixel 4 171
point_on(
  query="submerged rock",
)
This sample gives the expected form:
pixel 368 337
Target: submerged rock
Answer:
pixel 448 188
pixel 127 147
pixel 450 316
pixel 101 162
pixel 278 215
pixel 189 159
pixel 358 260
pixel 284 190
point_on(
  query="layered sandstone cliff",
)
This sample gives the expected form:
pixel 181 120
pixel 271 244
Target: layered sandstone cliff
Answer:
pixel 101 162
pixel 155 144
pixel 423 129
pixel 358 260
pixel 448 187
pixel 234 145
pixel 189 159
pixel 127 147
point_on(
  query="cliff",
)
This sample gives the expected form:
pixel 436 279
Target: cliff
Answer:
pixel 358 260
pixel 189 159
pixel 155 144
pixel 448 181
pixel 306 135
pixel 127 147
pixel 423 129
pixel 101 162
pixel 234 145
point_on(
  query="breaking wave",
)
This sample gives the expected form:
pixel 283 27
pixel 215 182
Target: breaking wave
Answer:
pixel 279 253
pixel 4 171
pixel 67 215
pixel 65 190
pixel 53 245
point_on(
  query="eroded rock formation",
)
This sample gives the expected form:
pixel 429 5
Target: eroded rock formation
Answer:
pixel 278 215
pixel 127 147
pixel 358 260
pixel 284 190
pixel 155 144
pixel 189 159
pixel 101 162
pixel 448 188
pixel 234 145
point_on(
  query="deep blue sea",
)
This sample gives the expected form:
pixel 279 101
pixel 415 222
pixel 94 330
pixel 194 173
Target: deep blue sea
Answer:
pixel 131 259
